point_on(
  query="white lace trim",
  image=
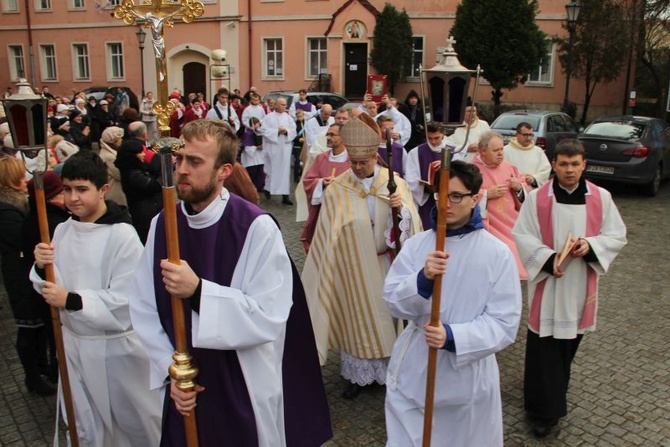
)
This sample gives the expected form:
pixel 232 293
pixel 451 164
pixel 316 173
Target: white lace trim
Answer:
pixel 404 224
pixel 363 371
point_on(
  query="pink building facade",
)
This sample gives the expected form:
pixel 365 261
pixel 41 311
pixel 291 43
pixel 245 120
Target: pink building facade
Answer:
pixel 270 44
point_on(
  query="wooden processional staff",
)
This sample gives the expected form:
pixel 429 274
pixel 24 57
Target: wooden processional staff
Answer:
pixel 156 15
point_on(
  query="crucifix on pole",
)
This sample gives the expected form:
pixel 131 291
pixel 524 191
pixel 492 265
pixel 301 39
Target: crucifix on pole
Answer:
pixel 156 15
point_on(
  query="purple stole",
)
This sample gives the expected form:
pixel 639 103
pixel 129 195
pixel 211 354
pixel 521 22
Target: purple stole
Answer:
pixel 426 157
pixel 248 138
pixel 224 413
pixel 594 221
pixel 307 107
pixel 398 151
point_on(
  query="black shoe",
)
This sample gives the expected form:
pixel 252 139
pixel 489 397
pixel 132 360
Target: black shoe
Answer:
pixel 38 386
pixel 286 200
pixel 352 391
pixel 542 427
pixel 267 194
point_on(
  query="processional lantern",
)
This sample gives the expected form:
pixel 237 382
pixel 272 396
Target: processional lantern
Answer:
pixel 448 84
pixel 27 118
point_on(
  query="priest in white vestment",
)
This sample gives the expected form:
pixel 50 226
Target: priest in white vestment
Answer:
pixel 480 309
pixel 468 140
pixel 529 159
pixel 278 130
pixel 568 233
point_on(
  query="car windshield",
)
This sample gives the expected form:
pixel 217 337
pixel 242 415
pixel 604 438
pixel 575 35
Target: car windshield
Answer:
pixel 509 122
pixel 619 130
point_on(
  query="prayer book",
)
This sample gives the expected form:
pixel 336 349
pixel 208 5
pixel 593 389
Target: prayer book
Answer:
pixel 564 257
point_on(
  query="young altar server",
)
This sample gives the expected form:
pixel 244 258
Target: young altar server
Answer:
pixel 94 255
pixel 480 311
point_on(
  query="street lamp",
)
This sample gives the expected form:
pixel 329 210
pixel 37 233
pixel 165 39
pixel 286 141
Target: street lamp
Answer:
pixel 572 9
pixel 141 35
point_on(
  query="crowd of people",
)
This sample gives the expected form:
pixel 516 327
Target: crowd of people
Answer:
pixel 258 329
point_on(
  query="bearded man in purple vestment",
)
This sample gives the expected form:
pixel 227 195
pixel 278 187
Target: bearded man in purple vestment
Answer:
pixel 248 328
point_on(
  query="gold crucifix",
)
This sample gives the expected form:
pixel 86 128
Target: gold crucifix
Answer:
pixel 156 15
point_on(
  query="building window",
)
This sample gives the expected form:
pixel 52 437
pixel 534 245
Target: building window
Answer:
pixel 417 57
pixel 48 63
pixel 10 6
pixel 542 74
pixel 274 58
pixel 318 56
pixel 43 5
pixel 77 4
pixel 80 61
pixel 115 58
pixel 17 68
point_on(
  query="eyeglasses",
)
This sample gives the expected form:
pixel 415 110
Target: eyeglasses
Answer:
pixel 455 197
pixel 526 134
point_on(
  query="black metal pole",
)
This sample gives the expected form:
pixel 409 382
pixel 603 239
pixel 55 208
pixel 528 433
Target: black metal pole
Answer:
pixel 142 68
pixel 568 69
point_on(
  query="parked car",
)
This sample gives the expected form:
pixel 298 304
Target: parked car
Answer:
pixel 99 93
pixel 333 99
pixel 549 127
pixel 632 150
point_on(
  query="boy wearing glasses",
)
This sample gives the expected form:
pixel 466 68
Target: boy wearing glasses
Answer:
pixel 529 159
pixel 479 318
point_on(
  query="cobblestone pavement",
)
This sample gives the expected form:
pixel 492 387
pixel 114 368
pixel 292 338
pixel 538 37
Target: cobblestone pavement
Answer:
pixel 620 388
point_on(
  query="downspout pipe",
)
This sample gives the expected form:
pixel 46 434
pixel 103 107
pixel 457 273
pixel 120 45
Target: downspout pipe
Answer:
pixel 249 52
pixel 31 53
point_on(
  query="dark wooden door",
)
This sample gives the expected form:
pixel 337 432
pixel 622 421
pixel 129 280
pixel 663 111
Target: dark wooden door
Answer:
pixel 195 78
pixel 355 70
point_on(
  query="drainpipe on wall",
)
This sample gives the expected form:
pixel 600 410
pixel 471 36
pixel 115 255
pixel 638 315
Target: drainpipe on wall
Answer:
pixel 249 42
pixel 31 54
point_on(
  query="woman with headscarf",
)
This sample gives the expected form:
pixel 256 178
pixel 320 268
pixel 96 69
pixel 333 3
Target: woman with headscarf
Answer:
pixel 413 110
pixel 13 211
pixel 141 186
pixel 110 141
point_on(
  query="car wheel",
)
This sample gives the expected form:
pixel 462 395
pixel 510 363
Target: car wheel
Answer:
pixel 651 189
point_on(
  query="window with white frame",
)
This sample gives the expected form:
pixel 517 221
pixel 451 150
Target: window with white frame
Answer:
pixel 542 74
pixel 77 4
pixel 274 57
pixel 115 58
pixel 417 57
pixel 114 2
pixel 43 5
pixel 318 56
pixel 48 62
pixel 10 6
pixel 80 62
pixel 17 68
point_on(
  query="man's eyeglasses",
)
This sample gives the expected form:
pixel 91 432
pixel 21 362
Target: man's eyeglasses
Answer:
pixel 527 134
pixel 456 197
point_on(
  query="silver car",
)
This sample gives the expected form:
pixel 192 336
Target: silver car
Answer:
pixel 549 127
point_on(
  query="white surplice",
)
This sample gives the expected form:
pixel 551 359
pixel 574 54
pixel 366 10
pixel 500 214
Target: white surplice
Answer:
pixel 563 299
pixel 529 160
pixel 249 316
pixel 457 139
pixel 108 369
pixel 481 301
pixel 278 151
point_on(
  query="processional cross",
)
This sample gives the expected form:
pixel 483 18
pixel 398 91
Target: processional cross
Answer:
pixel 156 15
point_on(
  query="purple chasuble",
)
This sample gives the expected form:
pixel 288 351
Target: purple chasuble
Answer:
pixel 398 151
pixel 426 157
pixel 224 413
pixel 307 107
